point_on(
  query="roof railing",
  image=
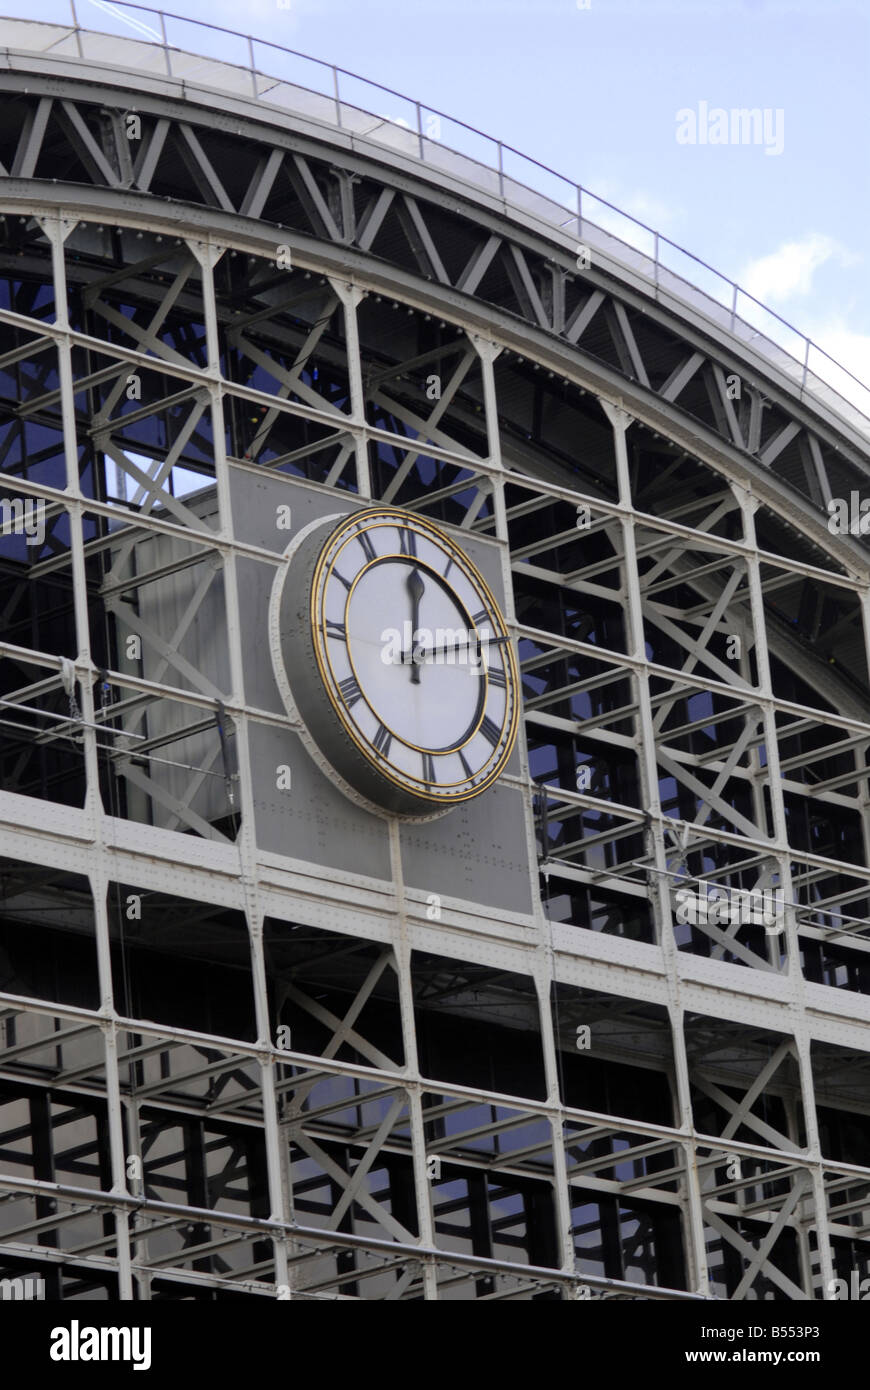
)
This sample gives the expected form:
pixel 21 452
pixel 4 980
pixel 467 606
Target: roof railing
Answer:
pixel 420 131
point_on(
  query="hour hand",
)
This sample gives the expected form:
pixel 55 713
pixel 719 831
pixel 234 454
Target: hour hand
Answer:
pixel 415 586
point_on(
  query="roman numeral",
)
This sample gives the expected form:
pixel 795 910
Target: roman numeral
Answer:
pixel 382 740
pixel 334 629
pixel 407 541
pixel 465 765
pixel 350 691
pixel 481 617
pixel 368 548
pixel 428 768
pixel 341 579
pixel 497 677
pixel 491 732
pixel 449 566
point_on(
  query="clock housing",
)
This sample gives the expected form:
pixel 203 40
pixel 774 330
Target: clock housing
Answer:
pixel 392 651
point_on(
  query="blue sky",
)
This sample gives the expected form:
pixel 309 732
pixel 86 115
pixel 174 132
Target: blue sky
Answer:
pixel 595 93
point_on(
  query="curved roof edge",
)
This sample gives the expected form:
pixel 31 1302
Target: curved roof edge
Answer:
pixel 155 65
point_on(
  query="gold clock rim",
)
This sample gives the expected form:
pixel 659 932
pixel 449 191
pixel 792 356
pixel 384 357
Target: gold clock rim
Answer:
pixel 321 654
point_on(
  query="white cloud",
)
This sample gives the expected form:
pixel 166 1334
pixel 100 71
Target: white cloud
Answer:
pixel 848 348
pixel 651 210
pixel 265 19
pixel 789 270
pixel 645 207
pixel 636 202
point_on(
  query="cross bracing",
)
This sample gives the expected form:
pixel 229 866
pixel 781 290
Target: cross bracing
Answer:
pixel 325 1091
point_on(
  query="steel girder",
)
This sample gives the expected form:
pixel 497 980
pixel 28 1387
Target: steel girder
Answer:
pixel 342 199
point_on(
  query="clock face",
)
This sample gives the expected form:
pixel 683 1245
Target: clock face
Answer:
pixel 415 701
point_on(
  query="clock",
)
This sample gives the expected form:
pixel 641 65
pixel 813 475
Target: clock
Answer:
pixel 392 652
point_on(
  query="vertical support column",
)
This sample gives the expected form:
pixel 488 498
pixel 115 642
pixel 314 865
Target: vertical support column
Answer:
pixel 805 1211
pixel 696 1253
pixel 749 505
pixel 402 948
pixel 859 752
pixel 351 296
pixel 208 254
pixel 758 770
pixel 138 1243
pixel 544 960
pixel 57 229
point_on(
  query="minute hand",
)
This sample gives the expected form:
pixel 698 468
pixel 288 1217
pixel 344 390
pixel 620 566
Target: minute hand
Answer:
pixel 419 652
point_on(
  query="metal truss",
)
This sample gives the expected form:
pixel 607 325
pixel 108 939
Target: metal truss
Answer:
pixel 224 1067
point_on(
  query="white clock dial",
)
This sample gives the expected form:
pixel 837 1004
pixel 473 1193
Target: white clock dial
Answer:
pixel 414 661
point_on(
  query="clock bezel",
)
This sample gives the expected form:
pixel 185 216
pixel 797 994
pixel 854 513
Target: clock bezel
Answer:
pixel 388 517
pixel 326 728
